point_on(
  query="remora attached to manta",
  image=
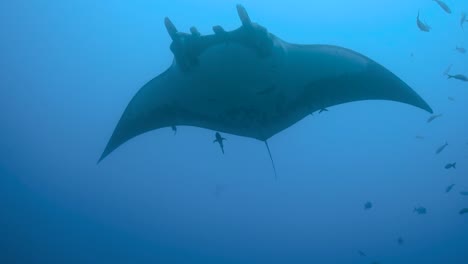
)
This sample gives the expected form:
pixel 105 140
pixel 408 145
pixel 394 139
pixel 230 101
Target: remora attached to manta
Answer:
pixel 218 82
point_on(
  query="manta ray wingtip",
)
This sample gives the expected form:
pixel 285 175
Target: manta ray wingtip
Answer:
pixel 107 150
pixel 420 103
pixel 429 109
pixel 425 106
pixel 103 156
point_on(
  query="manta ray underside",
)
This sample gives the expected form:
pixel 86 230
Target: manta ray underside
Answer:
pixel 249 82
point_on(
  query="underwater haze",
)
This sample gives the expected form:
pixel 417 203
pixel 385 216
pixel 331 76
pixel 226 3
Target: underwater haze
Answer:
pixel 364 182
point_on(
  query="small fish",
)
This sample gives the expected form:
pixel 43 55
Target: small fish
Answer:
pixel 449 188
pixel 464 193
pixel 367 205
pixel 444 6
pixel 451 166
pixel 460 77
pixel 464 211
pixel 451 99
pixel 362 254
pixel 323 110
pixel 463 20
pixel 419 137
pixel 434 117
pixel 420 210
pixel 220 140
pixel 400 241
pixel 441 148
pixel 422 26
pixel 174 128
pixel 460 49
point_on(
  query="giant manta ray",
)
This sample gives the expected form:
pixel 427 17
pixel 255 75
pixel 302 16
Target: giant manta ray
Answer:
pixel 251 83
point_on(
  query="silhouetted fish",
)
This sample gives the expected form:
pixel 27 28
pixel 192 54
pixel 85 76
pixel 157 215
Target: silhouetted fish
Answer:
pixel 460 77
pixel 174 128
pixel 451 166
pixel 400 241
pixel 419 137
pixel 420 210
pixel 219 139
pixel 463 19
pixel 460 49
pixel 464 211
pixel 444 6
pixel 449 188
pixel 441 148
pixel 451 99
pixel 367 205
pixel 323 110
pixel 433 117
pixel 362 254
pixel 422 26
pixel 464 193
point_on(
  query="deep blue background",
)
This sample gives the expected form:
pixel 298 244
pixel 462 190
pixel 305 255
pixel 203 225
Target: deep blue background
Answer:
pixel 68 69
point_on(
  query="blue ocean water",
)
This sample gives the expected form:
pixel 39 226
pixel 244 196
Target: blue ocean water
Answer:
pixel 68 69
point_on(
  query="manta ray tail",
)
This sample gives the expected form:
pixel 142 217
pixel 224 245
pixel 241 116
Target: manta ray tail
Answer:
pixel 271 158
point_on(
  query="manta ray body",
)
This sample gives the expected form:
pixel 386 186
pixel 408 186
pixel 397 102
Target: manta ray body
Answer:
pixel 249 82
